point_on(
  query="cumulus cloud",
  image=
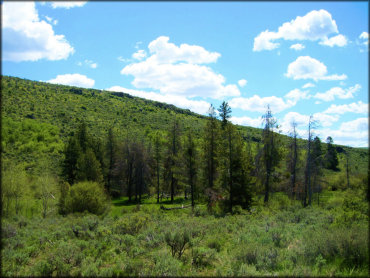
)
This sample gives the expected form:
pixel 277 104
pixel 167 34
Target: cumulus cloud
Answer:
pixel 75 79
pixel 178 70
pixel 308 85
pixel 339 92
pixel 315 25
pixel 364 36
pixel 27 38
pixel 139 55
pixel 354 133
pixel 297 46
pixel 67 4
pixel 164 52
pixel 247 121
pixel 297 95
pixel 305 67
pixel 89 63
pixel 355 107
pixel 259 104
pixel 197 106
pixel 242 82
pixel 338 40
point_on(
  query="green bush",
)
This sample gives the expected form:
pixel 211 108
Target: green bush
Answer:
pixel 203 256
pixel 86 196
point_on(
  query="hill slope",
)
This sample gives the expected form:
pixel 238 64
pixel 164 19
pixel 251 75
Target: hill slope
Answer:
pixel 38 117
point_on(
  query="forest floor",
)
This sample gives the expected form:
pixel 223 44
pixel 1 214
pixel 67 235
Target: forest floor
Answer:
pixel 281 238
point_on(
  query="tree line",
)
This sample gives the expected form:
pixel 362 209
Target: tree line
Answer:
pixel 220 167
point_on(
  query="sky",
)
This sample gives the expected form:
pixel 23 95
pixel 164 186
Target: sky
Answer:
pixel 301 58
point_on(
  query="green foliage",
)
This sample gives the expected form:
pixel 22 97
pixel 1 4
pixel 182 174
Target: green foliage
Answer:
pixel 86 196
pixel 178 241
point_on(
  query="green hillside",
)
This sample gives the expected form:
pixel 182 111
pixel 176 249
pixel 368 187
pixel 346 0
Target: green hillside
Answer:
pixel 38 117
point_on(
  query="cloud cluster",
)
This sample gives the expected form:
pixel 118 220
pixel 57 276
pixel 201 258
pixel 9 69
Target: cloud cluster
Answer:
pixel 296 95
pixel 365 38
pixel 338 92
pixel 197 106
pixel 89 63
pixel 305 67
pixel 67 4
pixel 355 107
pixel 315 25
pixel 179 70
pixel 75 79
pixel 297 46
pixel 259 104
pixel 27 38
pixel 242 82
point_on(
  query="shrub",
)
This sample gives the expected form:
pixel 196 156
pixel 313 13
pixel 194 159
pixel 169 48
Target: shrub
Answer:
pixel 203 257
pixel 86 196
pixel 165 265
pixel 177 241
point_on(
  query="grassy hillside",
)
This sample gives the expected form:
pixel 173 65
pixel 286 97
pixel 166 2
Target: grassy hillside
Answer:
pixel 38 117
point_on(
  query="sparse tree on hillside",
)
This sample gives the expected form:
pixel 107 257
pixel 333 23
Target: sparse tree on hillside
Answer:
pixel 270 154
pixel 110 151
pixel 331 157
pixel 293 158
pixel 190 155
pixel 171 157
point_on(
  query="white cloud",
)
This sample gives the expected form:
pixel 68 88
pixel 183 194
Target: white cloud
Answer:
pixel 365 37
pixel 297 46
pixel 339 92
pixel 247 121
pixel 27 38
pixel 315 25
pixel 308 85
pixel 164 52
pixel 75 79
pixel 353 133
pixel 355 107
pixel 139 55
pixel 242 82
pixel 305 67
pixel 174 70
pixel 263 41
pixel 197 106
pixel 51 20
pixel 258 104
pixel 297 94
pixel 338 40
pixel 88 63
pixel 67 4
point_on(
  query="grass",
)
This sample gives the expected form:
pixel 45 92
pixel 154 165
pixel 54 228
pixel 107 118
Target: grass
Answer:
pixel 281 238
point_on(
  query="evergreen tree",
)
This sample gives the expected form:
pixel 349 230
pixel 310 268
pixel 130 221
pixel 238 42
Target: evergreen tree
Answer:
pixel 190 156
pixel 157 160
pixel 317 163
pixel 110 154
pixel 171 160
pixel 292 159
pixel 331 155
pixel 225 113
pixel 269 155
pixel 88 167
pixel 210 149
pixel 72 152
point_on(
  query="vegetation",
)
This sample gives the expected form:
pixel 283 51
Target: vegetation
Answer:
pixel 99 183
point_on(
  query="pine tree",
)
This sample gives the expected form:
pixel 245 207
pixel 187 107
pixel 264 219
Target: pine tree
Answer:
pixel 190 156
pixel 69 165
pixel 210 149
pixel 293 159
pixel 110 154
pixel 171 160
pixel 331 155
pixel 88 167
pixel 270 155
pixel 157 159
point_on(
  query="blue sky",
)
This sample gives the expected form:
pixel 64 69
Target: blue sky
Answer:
pixel 302 59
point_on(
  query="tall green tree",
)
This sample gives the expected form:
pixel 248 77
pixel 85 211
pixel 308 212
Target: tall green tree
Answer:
pixel 111 149
pixel 88 167
pixel 190 155
pixel 331 156
pixel 270 155
pixel 292 158
pixel 225 113
pixel 72 152
pixel 171 159
pixel 317 164
pixel 157 160
pixel 210 148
